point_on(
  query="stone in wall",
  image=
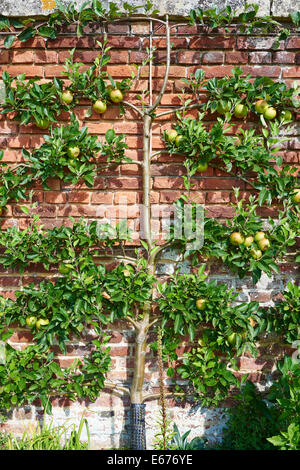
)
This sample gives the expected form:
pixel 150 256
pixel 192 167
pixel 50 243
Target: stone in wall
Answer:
pixel 174 7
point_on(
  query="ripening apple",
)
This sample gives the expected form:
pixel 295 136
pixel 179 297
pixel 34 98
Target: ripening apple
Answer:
pixel 67 97
pixel 126 273
pixel 259 236
pixel 115 95
pixel 248 241
pixel 223 109
pixel 178 139
pixel 171 135
pixel 42 322
pixel 270 113
pixel 252 322
pixel 99 107
pixel 231 338
pixel 286 115
pixel 202 166
pixel 42 123
pixel 30 321
pixel 73 151
pixel 264 244
pixel 260 106
pixel 240 111
pixel 296 195
pixel 200 304
pixel 256 254
pixel 236 238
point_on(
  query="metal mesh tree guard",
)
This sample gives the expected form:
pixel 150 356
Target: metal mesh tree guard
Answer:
pixel 137 426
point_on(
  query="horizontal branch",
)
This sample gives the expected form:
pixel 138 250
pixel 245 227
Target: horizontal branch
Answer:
pixel 116 388
pixel 153 396
pixel 182 108
pixel 135 108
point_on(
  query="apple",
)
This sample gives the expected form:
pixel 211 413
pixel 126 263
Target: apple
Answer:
pixel 248 241
pixel 171 135
pixel 115 95
pixel 264 244
pixel 286 115
pixel 259 236
pixel 42 322
pixel 236 238
pixel 73 151
pixel 67 97
pixel 178 139
pixel 42 123
pixel 252 322
pixel 63 269
pixel 30 321
pixel 240 111
pixel 223 109
pixel 200 304
pixel 202 166
pixel 126 273
pixel 231 338
pixel 260 106
pixel 256 254
pixel 270 113
pixel 99 107
pixel 296 195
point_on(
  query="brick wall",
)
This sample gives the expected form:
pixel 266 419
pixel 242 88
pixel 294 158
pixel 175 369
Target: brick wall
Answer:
pixel 216 54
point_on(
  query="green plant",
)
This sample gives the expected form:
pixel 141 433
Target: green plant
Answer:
pixel 163 440
pixel 31 101
pixel 50 437
pixel 181 441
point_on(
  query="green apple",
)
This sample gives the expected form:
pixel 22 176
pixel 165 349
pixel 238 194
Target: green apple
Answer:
pixel 296 195
pixel 270 113
pixel 223 109
pixel 99 107
pixel 256 254
pixel 260 106
pixel 202 166
pixel 236 238
pixel 73 151
pixel 259 236
pixel 126 273
pixel 264 244
pixel 200 304
pixel 67 97
pixel 248 240
pixel 232 339
pixel 42 123
pixel 31 321
pixel 240 111
pixel 42 322
pixel 115 95
pixel 286 115
pixel 171 135
pixel 178 139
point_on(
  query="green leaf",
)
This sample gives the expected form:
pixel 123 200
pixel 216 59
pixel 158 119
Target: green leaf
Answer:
pixel 8 41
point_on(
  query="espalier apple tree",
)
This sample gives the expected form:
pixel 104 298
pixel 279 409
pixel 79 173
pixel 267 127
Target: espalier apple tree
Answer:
pixel 88 295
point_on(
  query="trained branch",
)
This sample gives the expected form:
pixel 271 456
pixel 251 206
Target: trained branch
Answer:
pixel 116 388
pixel 182 108
pixel 163 88
pixel 153 396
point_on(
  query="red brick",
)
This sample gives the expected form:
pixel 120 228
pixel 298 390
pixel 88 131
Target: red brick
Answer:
pixel 124 42
pixel 189 57
pixel 215 57
pixel 55 197
pixel 29 70
pixel 82 197
pixel 101 198
pixel 213 42
pixel 22 57
pixel 284 57
pixel 4 57
pixel 45 57
pixel 293 43
pixel 260 57
pixel 85 42
pixel 264 43
pixel 236 57
pixel 124 183
pixel 291 72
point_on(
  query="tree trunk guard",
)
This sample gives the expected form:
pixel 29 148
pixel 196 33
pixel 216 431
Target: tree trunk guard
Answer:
pixel 137 425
